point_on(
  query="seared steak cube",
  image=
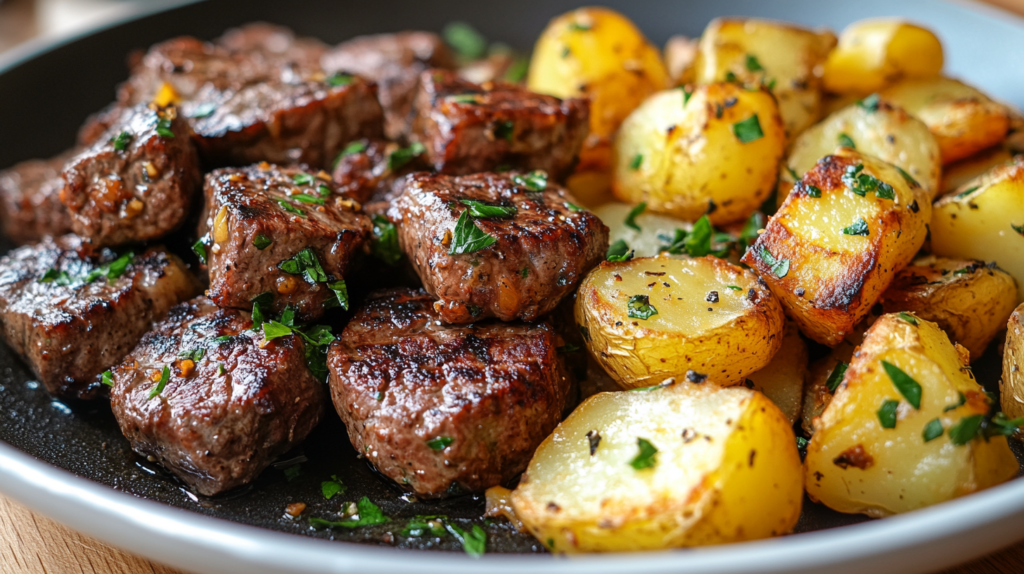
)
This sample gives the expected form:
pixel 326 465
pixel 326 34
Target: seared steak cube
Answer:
pixel 366 169
pixel 30 206
pixel 507 245
pixel 247 105
pixel 443 409
pixel 210 400
pixel 136 182
pixel 394 62
pixel 277 44
pixel 71 318
pixel 470 128
pixel 282 231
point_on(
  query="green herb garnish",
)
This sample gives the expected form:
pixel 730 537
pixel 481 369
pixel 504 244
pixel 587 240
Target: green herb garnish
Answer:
pixel 908 318
pixel 752 64
pixel 748 130
pixel 339 79
pixel 290 208
pixel 107 378
pixel 859 227
pixel 639 307
pixel 862 183
pixel 932 430
pixel 261 241
pixel 163 128
pixel 646 458
pixel 534 181
pixel 779 267
pixel 630 221
pixel 887 414
pixel 402 156
pixel 965 429
pixel 333 487
pixel 505 130
pixel 465 40
pixel 304 263
pixel 474 540
pixel 467 237
pixel 870 103
pixel 121 141
pixel 481 209
pixel 440 443
pixel 636 162
pixel 165 376
pixel 846 141
pixel 368 512
pixel 385 244
pixel 836 377
pixel 619 251
pixel 306 198
pixel 904 383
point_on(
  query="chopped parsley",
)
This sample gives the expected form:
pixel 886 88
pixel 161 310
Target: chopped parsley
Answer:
pixel 517 71
pixel 353 148
pixel 636 162
pixel 467 237
pixel 534 181
pixel 465 40
pixel 339 79
pixel 290 208
pixel 199 248
pixel 792 173
pixel 846 141
pixel 734 287
pixel 195 355
pixel 474 540
pixel 904 383
pixel 687 94
pixel 165 376
pixel 870 103
pixel 163 128
pixel 965 429
pixel 813 191
pixel 107 378
pixel 646 458
pixel 59 277
pixel 967 192
pixel 577 27
pixel 619 251
pixel 121 140
pixel 464 98
pixel 261 241
pixel 505 130
pixel 302 179
pixel 779 267
pixel 630 221
pixel 368 513
pixel 887 413
pixel 639 307
pixel 932 430
pixel 402 156
pixel 306 198
pixel 752 64
pixel 333 487
pixel 748 130
pixel 907 177
pixel 960 402
pixel 859 227
pixel 908 318
pixel 862 183
pixel 422 525
pixel 1018 228
pixel 340 290
pixel 572 206
pixel 698 242
pixel 836 377
pixel 273 330
pixel 385 240
pixel 481 209
pixel 304 263
pixel 440 443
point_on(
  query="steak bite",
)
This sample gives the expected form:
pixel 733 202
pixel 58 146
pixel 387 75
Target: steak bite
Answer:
pixel 394 62
pixel 282 231
pixel 136 182
pixel 366 170
pixel 437 408
pixel 470 128
pixel 250 101
pixel 30 206
pixel 210 400
pixel 507 245
pixel 70 318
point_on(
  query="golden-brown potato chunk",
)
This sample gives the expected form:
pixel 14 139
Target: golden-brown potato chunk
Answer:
pixel 1011 386
pixel 907 426
pixel 838 240
pixel 969 300
pixel 958 173
pixel 782 380
pixel 599 54
pixel 963 120
pixel 683 465
pixel 658 318
pixel 696 150
pixel 985 220
pixel 874 53
pixel 755 51
pixel 874 128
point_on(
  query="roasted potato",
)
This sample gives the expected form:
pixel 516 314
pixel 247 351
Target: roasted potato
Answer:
pixel 658 318
pixel 714 466
pixel 711 149
pixel 969 300
pixel 985 220
pixel 680 53
pixel 963 120
pixel 902 431
pixel 877 129
pixel 655 231
pixel 755 51
pixel 817 390
pixel 875 53
pixel 600 54
pixel 838 240
pixel 782 380
pixel 1011 386
pixel 957 174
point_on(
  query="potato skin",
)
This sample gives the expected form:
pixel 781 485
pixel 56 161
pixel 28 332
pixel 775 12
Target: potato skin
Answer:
pixel 724 340
pixel 872 54
pixel 855 465
pixel 743 483
pixel 885 132
pixel 691 162
pixel 1011 386
pixel 600 54
pixel 963 120
pixel 789 55
pixel 832 279
pixel 978 221
pixel 969 300
pixel 958 173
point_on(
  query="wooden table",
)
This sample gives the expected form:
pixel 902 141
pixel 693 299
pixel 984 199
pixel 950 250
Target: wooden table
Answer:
pixel 32 544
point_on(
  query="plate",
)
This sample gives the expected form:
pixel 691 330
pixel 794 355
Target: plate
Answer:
pixel 71 463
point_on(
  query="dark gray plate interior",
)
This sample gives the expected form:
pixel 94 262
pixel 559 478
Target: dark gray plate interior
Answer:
pixel 43 101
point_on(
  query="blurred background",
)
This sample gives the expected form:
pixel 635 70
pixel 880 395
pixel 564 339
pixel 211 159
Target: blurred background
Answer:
pixel 21 20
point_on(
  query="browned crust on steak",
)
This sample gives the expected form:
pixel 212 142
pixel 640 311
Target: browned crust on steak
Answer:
pixel 30 198
pixel 470 128
pixel 69 334
pixel 400 379
pixel 248 202
pixel 220 420
pixel 540 255
pixel 136 194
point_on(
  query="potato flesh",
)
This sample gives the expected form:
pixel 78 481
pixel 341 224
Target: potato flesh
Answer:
pixel 978 225
pixel 889 471
pixel 688 153
pixel 654 228
pixel 789 55
pixel 782 380
pixel 887 133
pixel 574 501
pixel 873 53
